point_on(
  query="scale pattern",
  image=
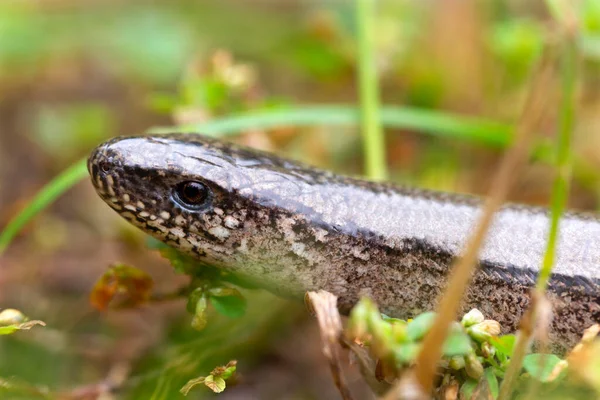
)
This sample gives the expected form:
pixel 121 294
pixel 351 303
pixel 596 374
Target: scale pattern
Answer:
pixel 292 228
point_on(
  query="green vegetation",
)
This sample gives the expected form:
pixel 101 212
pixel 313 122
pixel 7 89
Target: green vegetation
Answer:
pixel 439 124
pixel 475 356
pixel 449 104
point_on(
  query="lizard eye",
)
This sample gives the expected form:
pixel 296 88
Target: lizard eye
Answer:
pixel 192 195
pixel 104 166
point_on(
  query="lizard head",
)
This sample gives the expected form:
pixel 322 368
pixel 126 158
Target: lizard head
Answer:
pixel 201 196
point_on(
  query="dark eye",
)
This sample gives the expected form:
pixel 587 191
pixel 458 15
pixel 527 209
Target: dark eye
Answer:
pixel 104 166
pixel 192 195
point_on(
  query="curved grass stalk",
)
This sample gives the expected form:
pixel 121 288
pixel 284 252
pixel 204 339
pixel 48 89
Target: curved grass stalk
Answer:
pixel 477 130
pixel 50 192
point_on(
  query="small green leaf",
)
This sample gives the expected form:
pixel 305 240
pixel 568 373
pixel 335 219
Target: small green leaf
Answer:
pixel 492 381
pixel 199 319
pixel 456 363
pixel 406 353
pixel 229 371
pixel 418 327
pixel 7 330
pixel 230 306
pixel 357 322
pixel 215 383
pixel 473 366
pixel 392 320
pixel 399 331
pixel 457 344
pixel 540 366
pixel 193 299
pixel 215 380
pixel 504 344
pixel 467 389
pixel 225 371
pixel 379 328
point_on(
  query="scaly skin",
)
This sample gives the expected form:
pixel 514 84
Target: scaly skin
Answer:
pixel 292 228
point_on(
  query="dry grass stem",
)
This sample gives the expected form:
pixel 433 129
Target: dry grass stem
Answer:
pixel 367 366
pixel 541 309
pixel 324 306
pixel 535 317
pixel 463 267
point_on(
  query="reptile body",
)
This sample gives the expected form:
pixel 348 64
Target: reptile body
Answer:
pixel 292 228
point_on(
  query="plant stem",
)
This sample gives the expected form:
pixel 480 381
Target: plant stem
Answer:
pixel 560 187
pixel 517 357
pixel 477 130
pixel 45 196
pixel 462 268
pixel 373 139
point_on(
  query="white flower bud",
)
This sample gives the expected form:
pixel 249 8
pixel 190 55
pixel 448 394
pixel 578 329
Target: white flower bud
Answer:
pixel 472 317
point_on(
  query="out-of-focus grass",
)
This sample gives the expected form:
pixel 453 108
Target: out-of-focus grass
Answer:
pixel 472 129
pixel 435 123
pixel 145 45
pixel 368 83
pixel 566 19
pixel 45 196
pixel 148 43
pixel 462 268
pixel 560 188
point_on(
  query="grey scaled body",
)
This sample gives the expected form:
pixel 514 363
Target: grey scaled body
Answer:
pixel 292 228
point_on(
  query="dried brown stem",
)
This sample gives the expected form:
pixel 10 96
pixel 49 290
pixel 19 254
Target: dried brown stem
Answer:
pixel 366 365
pixel 463 267
pixel 324 305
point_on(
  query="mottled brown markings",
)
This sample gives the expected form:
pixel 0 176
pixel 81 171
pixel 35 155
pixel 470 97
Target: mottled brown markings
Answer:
pixel 264 225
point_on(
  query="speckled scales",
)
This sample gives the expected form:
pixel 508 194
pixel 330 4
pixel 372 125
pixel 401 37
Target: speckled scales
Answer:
pixel 292 228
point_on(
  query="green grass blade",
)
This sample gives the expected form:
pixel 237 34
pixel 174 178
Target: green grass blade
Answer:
pixel 478 130
pixel 43 198
pixel 560 188
pixel 471 129
pixel 370 123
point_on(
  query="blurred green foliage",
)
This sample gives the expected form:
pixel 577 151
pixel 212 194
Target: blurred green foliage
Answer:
pixel 82 72
pixel 67 130
pixel 517 44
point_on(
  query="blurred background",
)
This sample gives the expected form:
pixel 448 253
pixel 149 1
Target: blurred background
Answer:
pixel 74 73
